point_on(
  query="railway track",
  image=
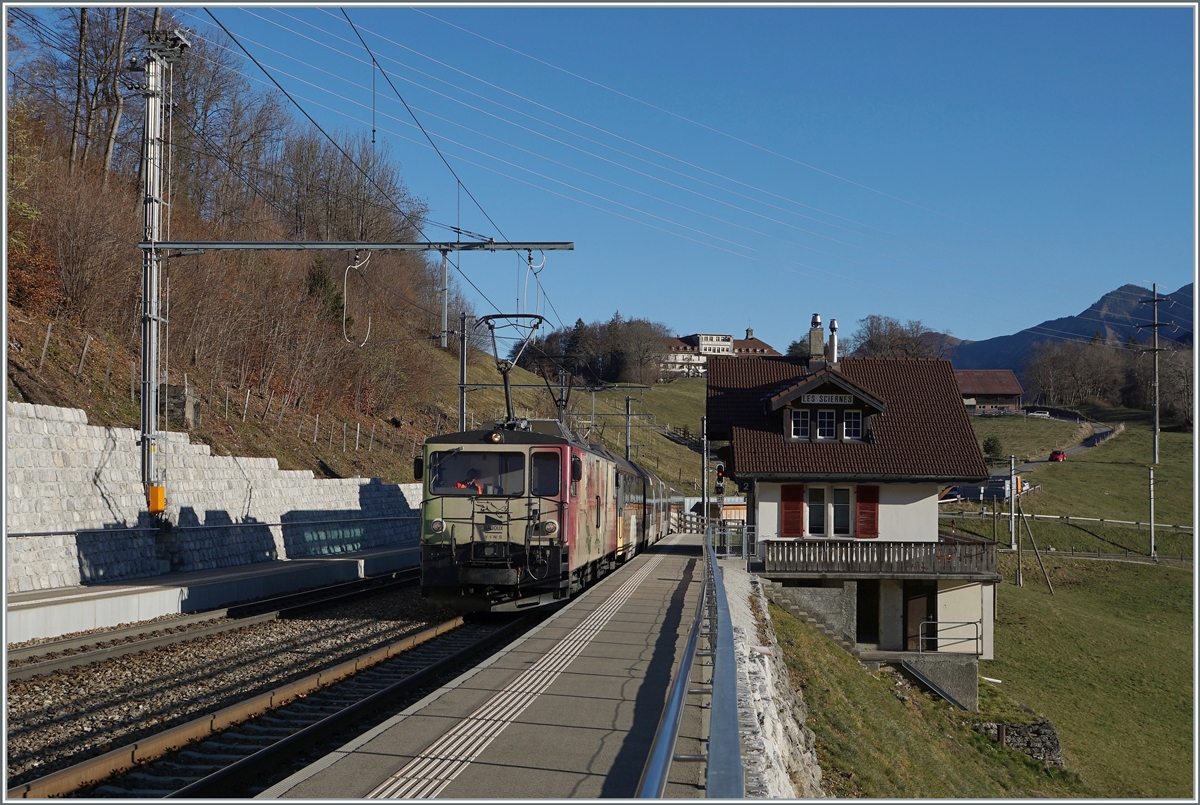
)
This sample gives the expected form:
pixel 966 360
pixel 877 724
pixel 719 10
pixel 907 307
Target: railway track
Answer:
pixel 59 655
pixel 242 749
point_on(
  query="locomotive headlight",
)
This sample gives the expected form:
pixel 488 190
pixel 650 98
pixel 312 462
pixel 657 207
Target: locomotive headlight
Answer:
pixel 495 437
pixel 437 526
pixel 550 527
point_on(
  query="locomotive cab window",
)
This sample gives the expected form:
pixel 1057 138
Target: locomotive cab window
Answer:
pixel 462 472
pixel 545 474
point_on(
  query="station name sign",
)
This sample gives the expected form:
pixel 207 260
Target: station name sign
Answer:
pixel 827 399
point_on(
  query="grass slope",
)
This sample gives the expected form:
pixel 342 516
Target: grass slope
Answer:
pixel 1110 481
pixel 871 743
pixel 1028 437
pixel 1109 659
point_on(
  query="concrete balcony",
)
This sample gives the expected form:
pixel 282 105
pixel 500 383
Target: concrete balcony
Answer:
pixel 877 559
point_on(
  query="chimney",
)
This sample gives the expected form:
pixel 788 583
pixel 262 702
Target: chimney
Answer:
pixel 833 355
pixel 749 333
pixel 816 343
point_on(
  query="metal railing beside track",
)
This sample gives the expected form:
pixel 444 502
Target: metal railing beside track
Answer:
pixel 724 776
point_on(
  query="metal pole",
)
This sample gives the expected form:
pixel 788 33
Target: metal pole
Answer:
pixel 704 467
pixel 1012 496
pixel 1153 553
pixel 445 295
pixel 628 431
pixel 462 372
pixel 151 158
pixel 1155 286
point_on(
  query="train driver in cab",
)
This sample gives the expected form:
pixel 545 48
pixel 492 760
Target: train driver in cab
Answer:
pixel 471 482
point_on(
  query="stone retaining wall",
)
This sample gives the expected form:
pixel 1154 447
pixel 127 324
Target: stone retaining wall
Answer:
pixel 83 484
pixel 1038 740
pixel 836 607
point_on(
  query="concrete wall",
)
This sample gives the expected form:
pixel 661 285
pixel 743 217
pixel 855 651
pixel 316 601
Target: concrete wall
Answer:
pixel 766 501
pixel 84 483
pixel 966 602
pixel 908 512
pixel 891 615
pixel 836 605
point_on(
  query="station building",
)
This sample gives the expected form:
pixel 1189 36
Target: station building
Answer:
pixel 842 462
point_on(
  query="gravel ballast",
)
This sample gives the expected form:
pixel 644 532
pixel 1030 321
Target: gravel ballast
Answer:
pixel 63 718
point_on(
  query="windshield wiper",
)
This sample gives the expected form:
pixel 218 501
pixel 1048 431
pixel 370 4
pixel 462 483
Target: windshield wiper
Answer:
pixel 447 455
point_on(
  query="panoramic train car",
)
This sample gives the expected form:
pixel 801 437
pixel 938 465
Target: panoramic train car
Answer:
pixel 526 514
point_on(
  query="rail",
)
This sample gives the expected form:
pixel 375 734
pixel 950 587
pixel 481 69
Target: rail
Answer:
pixel 724 777
pixel 830 556
pixel 943 635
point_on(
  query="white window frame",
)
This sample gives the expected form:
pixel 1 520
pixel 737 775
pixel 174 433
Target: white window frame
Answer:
pixel 800 417
pixel 833 425
pixel 846 424
pixel 827 506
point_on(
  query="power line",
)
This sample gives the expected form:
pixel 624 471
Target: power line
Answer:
pixel 568 145
pixel 303 111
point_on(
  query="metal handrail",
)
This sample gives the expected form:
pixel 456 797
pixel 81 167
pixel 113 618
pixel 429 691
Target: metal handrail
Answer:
pixel 949 641
pixel 724 776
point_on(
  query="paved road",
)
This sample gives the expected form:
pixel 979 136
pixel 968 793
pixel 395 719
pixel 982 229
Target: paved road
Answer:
pixel 1100 435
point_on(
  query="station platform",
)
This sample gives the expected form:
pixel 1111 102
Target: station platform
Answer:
pixel 41 614
pixel 568 710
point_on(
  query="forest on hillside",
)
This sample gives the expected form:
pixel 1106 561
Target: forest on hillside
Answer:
pixel 242 166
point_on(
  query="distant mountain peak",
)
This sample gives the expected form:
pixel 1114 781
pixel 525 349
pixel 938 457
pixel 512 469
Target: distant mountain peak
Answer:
pixel 1115 315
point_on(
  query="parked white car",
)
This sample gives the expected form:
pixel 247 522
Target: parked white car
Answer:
pixel 1040 414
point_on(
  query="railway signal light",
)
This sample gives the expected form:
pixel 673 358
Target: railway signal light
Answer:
pixel 720 479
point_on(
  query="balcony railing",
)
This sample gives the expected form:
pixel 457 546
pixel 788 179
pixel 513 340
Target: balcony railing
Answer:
pixel 879 558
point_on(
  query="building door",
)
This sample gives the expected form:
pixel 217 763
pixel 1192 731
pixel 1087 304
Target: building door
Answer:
pixel 920 605
pixel 868 611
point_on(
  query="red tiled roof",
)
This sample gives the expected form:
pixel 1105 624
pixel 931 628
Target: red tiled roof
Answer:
pixel 987 381
pixel 753 346
pixel 924 434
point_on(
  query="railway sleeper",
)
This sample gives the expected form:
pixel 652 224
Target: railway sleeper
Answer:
pixel 322 709
pixel 129 793
pixel 271 730
pixel 140 779
pixel 238 738
pixel 208 758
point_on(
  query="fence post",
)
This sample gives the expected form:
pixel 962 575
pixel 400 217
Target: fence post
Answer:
pixel 343 437
pixel 316 427
pixel 227 403
pixel 87 343
pixel 246 406
pixel 268 408
pixel 357 430
pixel 108 369
pixel 46 345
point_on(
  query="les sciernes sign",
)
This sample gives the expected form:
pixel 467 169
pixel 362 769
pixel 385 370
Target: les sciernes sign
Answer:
pixel 827 399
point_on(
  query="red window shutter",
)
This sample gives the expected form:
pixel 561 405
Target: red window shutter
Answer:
pixel 791 523
pixel 868 512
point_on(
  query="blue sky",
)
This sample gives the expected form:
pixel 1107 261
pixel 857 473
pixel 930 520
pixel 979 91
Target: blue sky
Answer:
pixel 979 169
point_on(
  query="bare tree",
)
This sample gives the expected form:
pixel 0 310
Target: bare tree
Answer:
pixel 885 337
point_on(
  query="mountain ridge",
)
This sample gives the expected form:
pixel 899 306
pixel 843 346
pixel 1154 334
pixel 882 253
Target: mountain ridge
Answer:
pixel 1115 315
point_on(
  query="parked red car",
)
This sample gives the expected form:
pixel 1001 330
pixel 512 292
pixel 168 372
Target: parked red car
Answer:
pixel 1058 455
